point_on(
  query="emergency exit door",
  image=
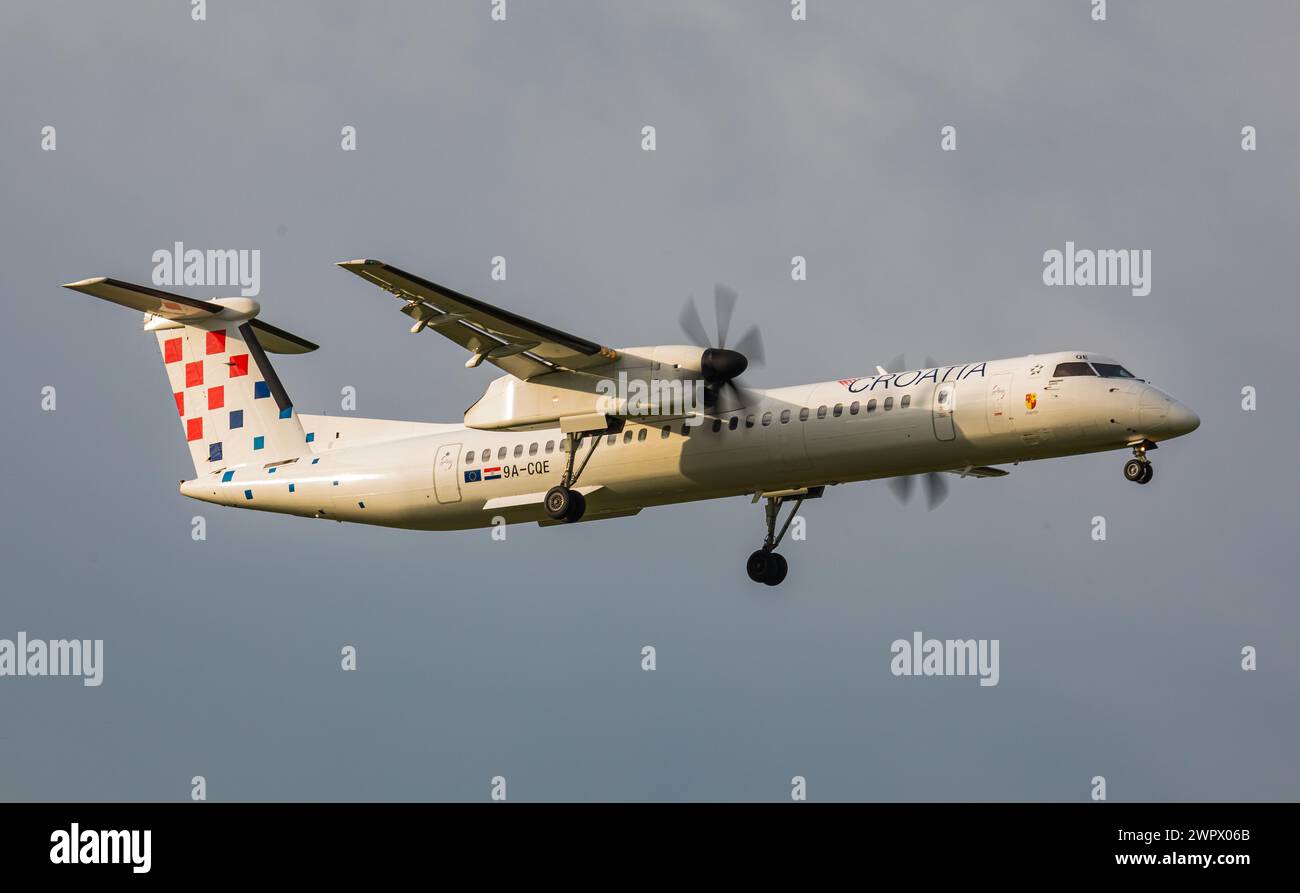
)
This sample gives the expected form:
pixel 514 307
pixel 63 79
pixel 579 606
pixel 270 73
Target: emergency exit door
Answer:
pixel 945 398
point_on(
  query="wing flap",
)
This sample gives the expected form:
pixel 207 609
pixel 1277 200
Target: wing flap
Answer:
pixel 979 471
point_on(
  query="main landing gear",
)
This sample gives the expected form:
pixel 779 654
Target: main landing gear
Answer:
pixel 562 502
pixel 767 565
pixel 1139 469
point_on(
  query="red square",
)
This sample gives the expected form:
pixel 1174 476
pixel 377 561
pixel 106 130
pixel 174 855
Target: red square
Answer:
pixel 238 365
pixel 172 350
pixel 194 429
pixel 217 342
pixel 180 403
pixel 216 397
pixel 194 373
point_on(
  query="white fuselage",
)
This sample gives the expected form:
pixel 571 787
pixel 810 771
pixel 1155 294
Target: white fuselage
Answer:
pixel 446 477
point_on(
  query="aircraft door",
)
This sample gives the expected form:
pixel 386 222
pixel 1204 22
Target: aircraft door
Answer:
pixel 446 473
pixel 945 403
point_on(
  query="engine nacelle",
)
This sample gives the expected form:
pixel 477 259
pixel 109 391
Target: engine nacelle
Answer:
pixel 649 382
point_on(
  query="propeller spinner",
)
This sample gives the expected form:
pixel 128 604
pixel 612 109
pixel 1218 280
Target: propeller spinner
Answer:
pixel 720 365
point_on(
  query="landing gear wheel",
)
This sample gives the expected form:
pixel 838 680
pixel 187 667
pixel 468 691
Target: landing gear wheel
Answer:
pixel 563 504
pixel 776 570
pixel 1135 470
pixel 767 567
pixel 578 507
pixel 1147 473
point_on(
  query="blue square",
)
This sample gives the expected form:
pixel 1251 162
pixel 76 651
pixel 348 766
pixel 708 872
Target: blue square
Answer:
pixel 214 451
pixel 225 478
pixel 291 488
pixel 311 435
pixel 314 461
pixel 236 418
pixel 270 471
pixel 336 483
pixel 248 494
pixel 261 389
pixel 258 442
pixel 286 413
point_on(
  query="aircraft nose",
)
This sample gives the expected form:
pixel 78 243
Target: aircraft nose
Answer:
pixel 1181 419
pixel 1164 416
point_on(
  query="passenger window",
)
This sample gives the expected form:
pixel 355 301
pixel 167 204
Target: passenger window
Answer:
pixel 717 425
pixel 664 432
pixel 501 453
pixel 610 440
pixel 627 436
pixel 686 430
pixel 1112 370
pixel 767 419
pixel 803 414
pixel 871 405
pixel 487 454
pixel 519 450
pixel 838 410
pixel 749 421
pixel 1064 370
pixel 469 457
pixel 731 423
pixel 821 411
pixel 905 402
pixel 550 447
pixel 532 448
pixel 889 403
pixel 785 417
pixel 640 435
pixel 853 407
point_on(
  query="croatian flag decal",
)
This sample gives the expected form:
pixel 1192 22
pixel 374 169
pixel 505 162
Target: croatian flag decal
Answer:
pixel 491 474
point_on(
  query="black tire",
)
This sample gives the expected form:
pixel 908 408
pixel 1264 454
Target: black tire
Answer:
pixel 1147 473
pixel 777 568
pixel 577 506
pixel 1134 469
pixel 559 502
pixel 758 564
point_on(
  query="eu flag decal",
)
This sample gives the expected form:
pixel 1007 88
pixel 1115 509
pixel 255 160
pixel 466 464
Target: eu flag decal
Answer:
pixel 473 477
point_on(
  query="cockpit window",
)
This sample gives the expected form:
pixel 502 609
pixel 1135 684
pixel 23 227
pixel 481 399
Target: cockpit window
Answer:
pixel 1112 370
pixel 1064 369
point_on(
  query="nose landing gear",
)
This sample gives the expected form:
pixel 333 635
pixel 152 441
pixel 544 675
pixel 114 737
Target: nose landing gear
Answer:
pixel 1139 469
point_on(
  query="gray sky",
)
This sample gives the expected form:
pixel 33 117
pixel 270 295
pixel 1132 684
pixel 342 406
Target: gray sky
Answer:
pixel 775 138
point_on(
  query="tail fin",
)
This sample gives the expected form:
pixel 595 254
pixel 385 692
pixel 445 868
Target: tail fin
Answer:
pixel 234 411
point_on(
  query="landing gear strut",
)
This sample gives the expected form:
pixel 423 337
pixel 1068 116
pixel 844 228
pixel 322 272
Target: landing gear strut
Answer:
pixel 563 503
pixel 767 565
pixel 1139 469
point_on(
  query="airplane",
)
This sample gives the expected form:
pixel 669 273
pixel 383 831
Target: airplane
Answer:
pixel 576 431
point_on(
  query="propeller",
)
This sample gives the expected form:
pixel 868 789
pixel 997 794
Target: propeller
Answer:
pixel 899 364
pixel 720 365
pixel 936 488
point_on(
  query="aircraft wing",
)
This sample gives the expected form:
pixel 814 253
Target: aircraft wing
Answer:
pixel 521 347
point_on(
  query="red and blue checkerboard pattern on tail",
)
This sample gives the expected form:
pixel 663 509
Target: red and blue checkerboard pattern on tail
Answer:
pixel 228 413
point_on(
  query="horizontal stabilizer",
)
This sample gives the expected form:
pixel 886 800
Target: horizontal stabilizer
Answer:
pixel 178 308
